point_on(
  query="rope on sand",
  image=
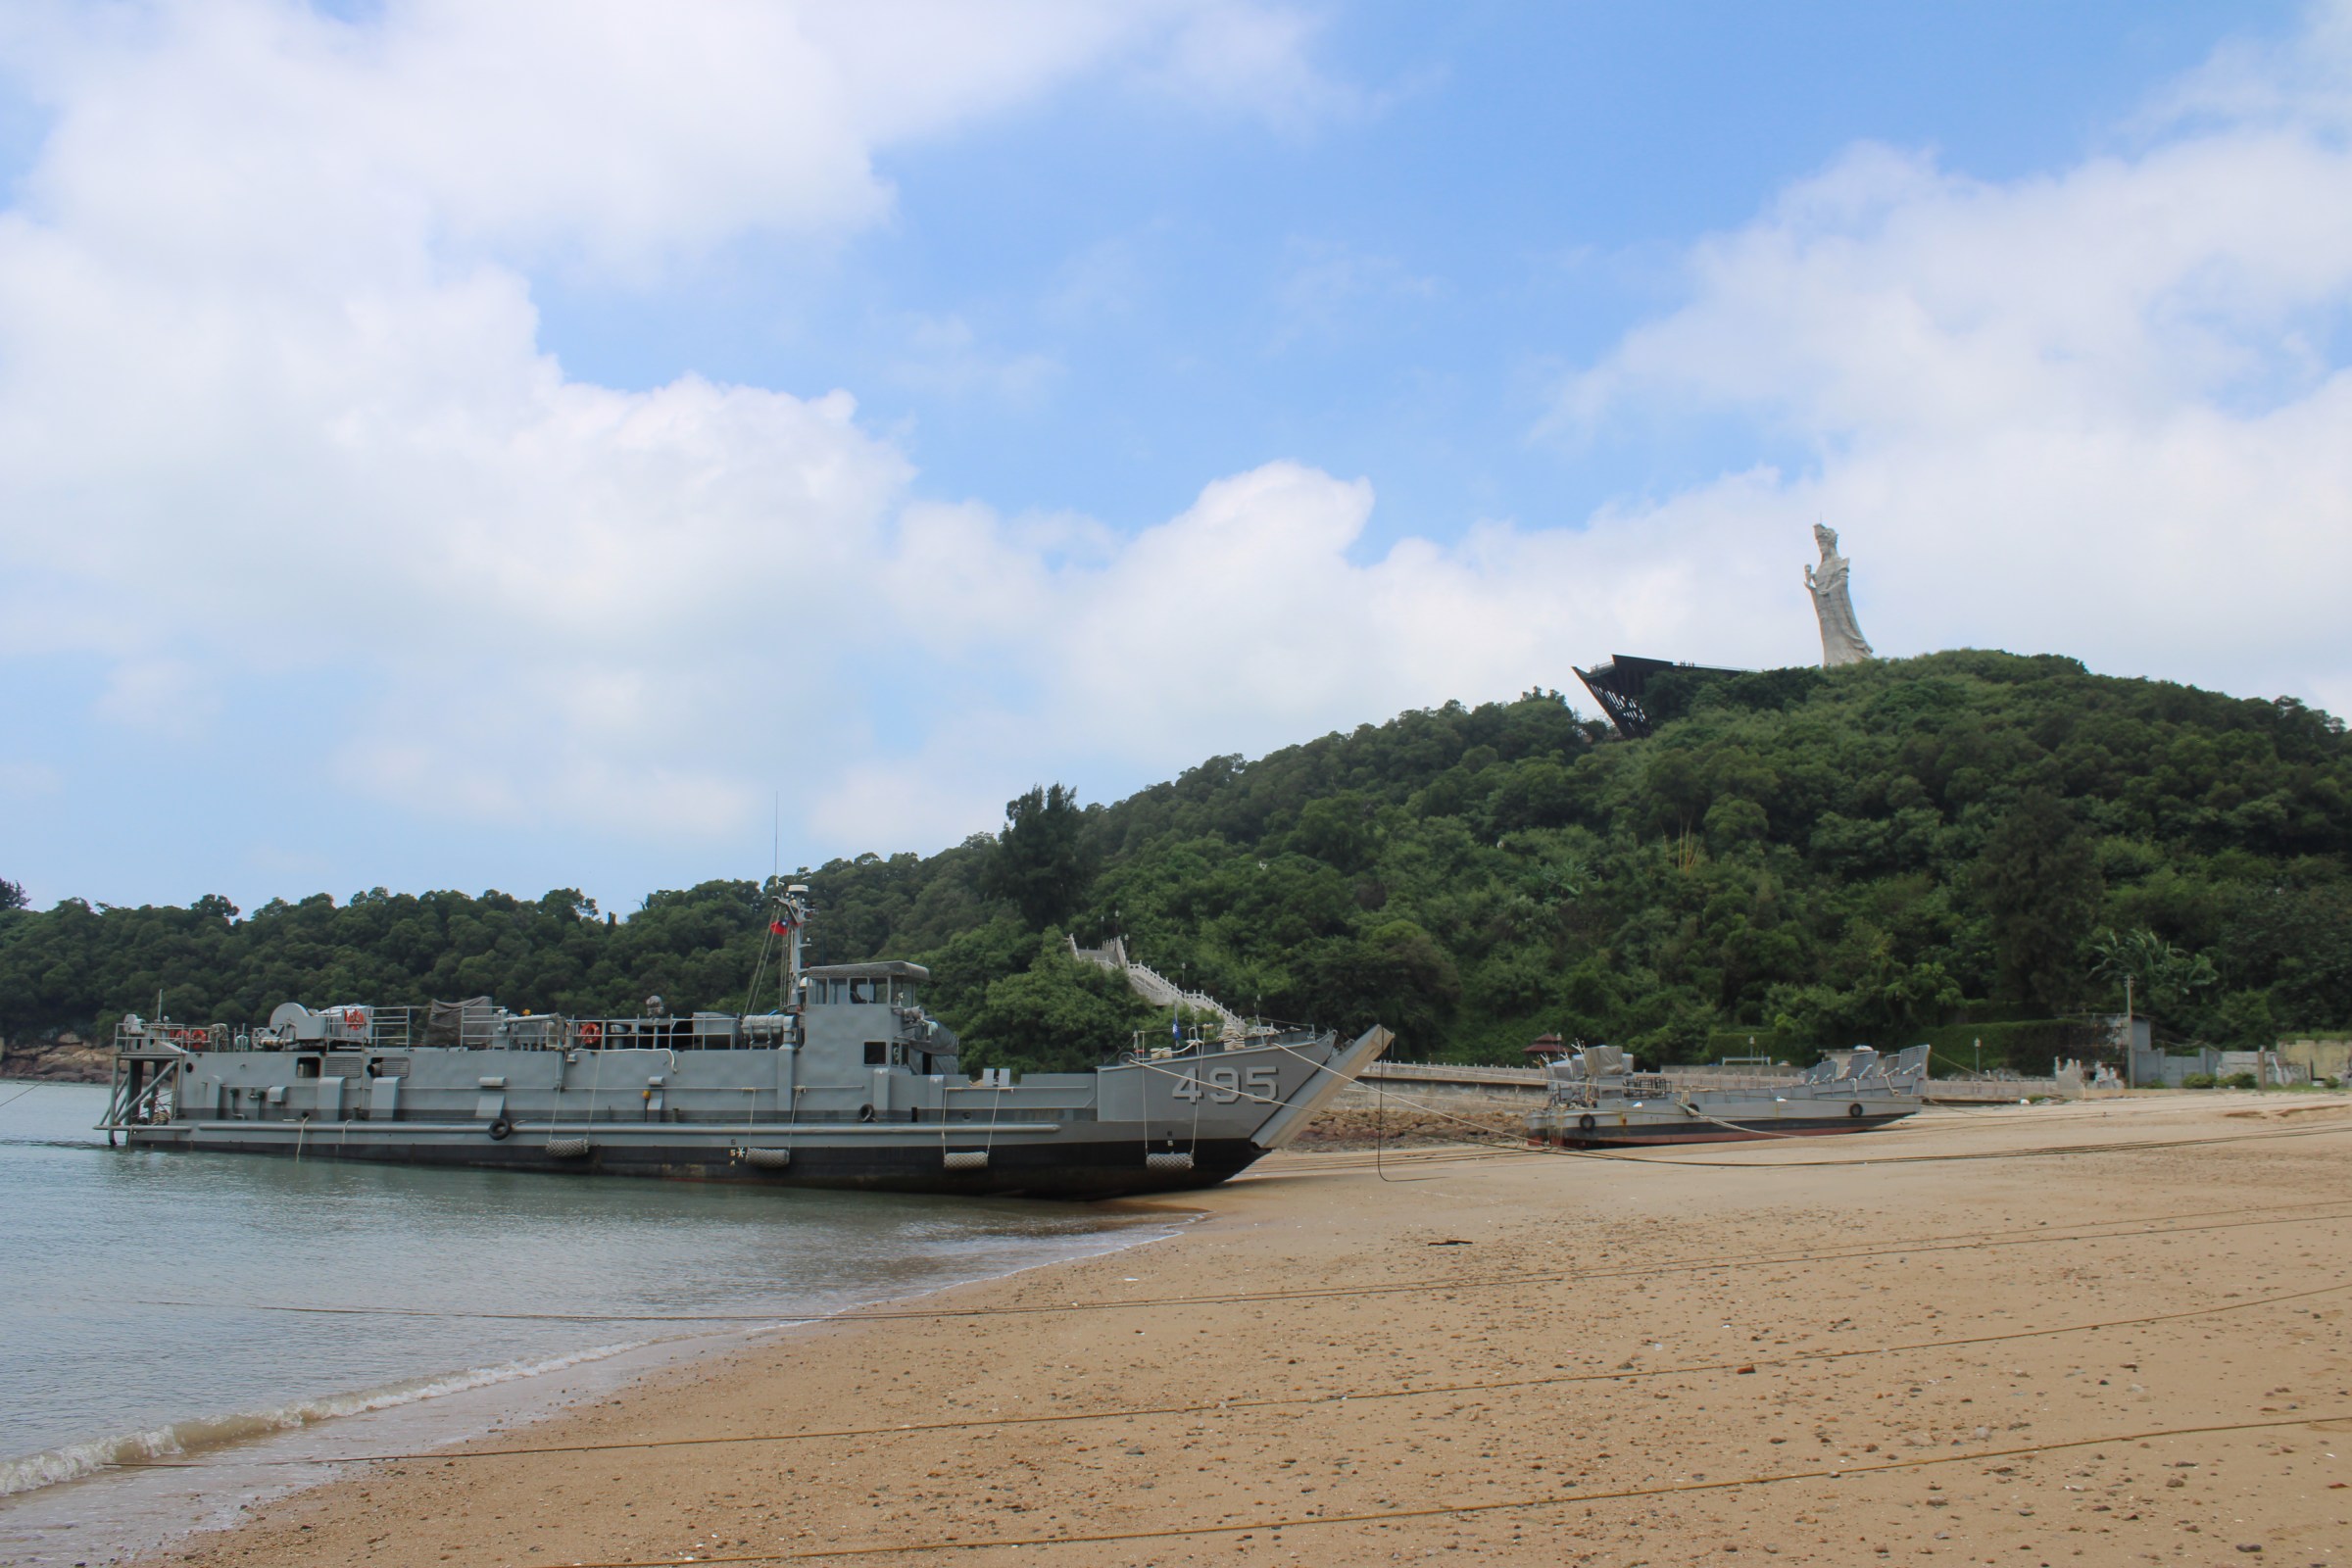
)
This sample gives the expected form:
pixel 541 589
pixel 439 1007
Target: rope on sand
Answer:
pixel 1222 1406
pixel 2278 1214
pixel 1449 1510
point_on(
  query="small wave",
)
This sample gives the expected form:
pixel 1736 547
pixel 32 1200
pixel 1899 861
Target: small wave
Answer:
pixel 179 1438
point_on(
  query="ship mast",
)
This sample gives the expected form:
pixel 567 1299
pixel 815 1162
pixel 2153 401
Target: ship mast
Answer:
pixel 788 915
pixel 791 912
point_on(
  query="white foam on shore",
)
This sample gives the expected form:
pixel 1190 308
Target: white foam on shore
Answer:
pixel 183 1439
pixel 46 1521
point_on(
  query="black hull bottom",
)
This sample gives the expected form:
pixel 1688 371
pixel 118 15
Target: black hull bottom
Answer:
pixel 1710 1132
pixel 1083 1172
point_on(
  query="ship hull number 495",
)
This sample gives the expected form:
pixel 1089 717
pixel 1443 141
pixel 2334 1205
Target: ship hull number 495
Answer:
pixel 1225 1084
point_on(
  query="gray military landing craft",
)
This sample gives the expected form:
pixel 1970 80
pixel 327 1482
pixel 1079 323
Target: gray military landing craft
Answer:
pixel 1596 1101
pixel 847 1084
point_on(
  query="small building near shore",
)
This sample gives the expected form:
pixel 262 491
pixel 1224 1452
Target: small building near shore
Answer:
pixel 2321 1055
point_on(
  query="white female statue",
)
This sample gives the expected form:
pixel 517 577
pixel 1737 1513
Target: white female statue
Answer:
pixel 1842 640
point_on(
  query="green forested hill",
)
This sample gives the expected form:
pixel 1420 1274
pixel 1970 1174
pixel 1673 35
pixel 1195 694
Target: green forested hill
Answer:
pixel 1807 856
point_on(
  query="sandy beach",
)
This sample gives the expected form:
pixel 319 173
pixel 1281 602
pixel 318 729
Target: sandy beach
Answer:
pixel 2106 1333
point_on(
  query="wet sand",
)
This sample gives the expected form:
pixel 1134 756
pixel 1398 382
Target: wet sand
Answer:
pixel 1925 1344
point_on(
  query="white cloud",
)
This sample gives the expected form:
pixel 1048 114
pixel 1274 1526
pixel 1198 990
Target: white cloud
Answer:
pixel 1328 284
pixel 2101 411
pixel 2096 411
pixel 627 133
pixel 2296 82
pixel 272 398
pixel 1260 58
pixel 1247 621
pixel 1107 280
pixel 946 357
pixel 165 699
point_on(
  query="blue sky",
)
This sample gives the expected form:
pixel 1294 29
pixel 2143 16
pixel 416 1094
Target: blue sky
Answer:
pixel 1393 289
pixel 544 445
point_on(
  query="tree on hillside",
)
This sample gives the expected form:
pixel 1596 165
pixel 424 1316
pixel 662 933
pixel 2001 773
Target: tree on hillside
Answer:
pixel 1057 1016
pixel 1039 864
pixel 1823 855
pixel 1341 830
pixel 2039 882
pixel 2293 934
pixel 11 896
pixel 2163 977
pixel 1395 976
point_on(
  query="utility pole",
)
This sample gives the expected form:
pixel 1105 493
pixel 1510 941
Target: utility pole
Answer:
pixel 2130 1041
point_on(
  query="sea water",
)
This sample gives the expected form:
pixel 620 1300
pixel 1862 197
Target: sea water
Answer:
pixel 251 1315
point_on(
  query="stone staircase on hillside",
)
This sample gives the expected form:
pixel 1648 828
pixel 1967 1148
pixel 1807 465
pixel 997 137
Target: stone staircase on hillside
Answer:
pixel 1156 988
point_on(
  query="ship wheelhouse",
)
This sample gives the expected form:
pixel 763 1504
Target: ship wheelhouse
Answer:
pixel 872 1016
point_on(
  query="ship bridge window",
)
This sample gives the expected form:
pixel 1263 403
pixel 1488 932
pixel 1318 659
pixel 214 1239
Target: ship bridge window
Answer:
pixel 877 1054
pixel 869 991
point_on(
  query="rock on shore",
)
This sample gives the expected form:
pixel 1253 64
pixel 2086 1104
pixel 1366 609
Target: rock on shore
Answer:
pixel 64 1059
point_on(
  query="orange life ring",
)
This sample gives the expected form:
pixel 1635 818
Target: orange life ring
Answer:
pixel 590 1033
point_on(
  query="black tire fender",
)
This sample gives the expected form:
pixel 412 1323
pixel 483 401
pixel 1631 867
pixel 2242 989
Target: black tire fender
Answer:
pixel 1586 1123
pixel 867 1112
pixel 500 1127
pixel 1854 1109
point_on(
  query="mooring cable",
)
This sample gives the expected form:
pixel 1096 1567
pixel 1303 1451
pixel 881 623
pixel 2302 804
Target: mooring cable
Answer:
pixel 1447 1509
pixel 1962 1241
pixel 1737 1366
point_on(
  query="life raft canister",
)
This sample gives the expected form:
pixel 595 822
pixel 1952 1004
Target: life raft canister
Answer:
pixel 354 1018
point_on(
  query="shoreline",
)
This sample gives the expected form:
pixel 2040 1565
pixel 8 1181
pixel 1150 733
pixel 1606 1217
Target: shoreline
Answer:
pixel 268 1424
pixel 1519 1357
pixel 250 1459
pixel 284 1462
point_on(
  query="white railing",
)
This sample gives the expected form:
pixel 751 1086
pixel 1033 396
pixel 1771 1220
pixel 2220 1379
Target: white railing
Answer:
pixel 1152 986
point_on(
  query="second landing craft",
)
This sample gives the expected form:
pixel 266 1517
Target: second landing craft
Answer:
pixel 1596 1101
